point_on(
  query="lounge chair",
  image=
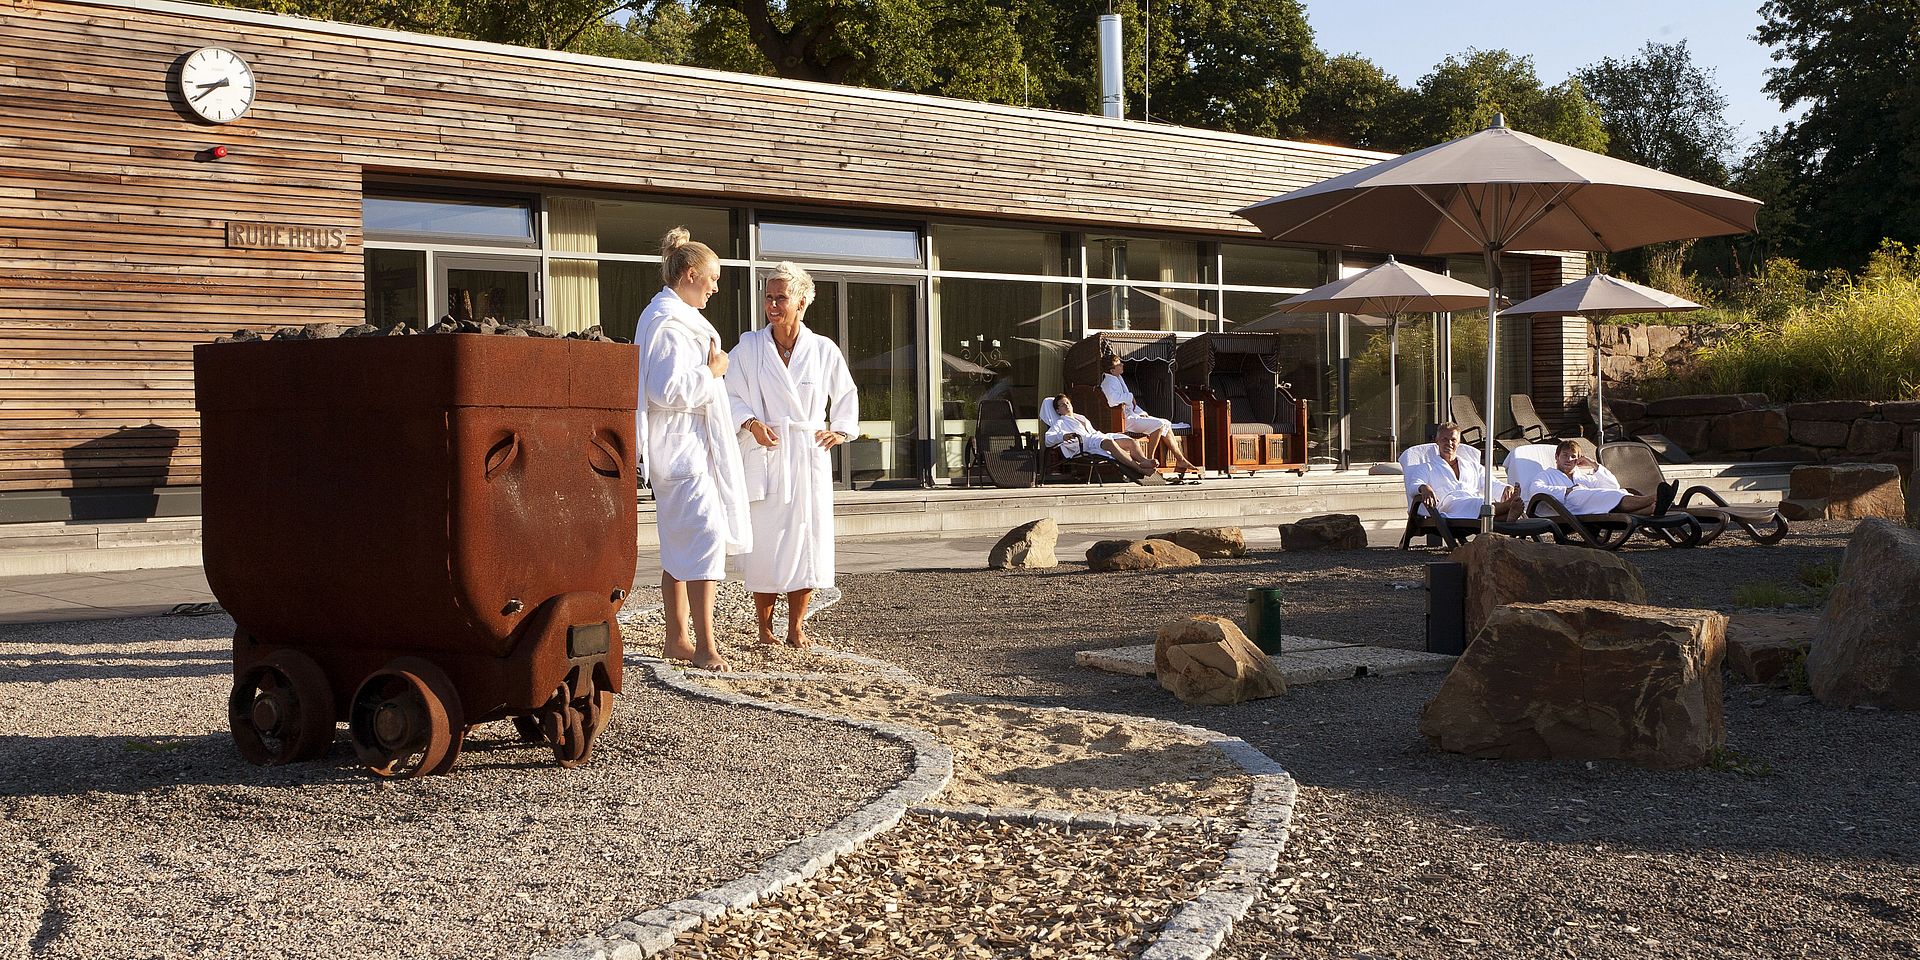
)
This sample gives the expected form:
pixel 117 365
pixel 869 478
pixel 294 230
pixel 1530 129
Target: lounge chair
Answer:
pixel 1639 469
pixel 1452 531
pixel 1006 454
pixel 1088 467
pixel 1473 429
pixel 1598 409
pixel 1527 420
pixel 1602 531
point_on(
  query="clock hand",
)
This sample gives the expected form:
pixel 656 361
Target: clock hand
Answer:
pixel 207 88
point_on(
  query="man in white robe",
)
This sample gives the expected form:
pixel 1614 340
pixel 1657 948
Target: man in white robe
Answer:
pixel 1140 423
pixel 794 401
pixel 1586 487
pixel 1073 435
pixel 1448 478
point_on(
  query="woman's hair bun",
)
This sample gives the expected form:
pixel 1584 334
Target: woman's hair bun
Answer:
pixel 675 238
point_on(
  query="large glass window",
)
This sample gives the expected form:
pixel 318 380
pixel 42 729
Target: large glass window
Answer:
pixel 1256 266
pixel 469 218
pixel 967 249
pixel 396 288
pixel 1000 340
pixel 633 226
pixel 1133 258
pixel 1144 308
pixel 838 243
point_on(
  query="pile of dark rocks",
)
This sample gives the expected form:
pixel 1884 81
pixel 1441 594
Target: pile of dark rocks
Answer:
pixel 503 328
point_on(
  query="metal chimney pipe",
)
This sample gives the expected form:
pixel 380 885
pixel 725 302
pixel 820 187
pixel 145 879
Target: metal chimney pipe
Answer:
pixel 1112 63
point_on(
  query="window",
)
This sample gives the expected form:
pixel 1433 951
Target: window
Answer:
pixel 396 288
pixel 472 219
pixel 1132 258
pixel 1246 265
pixel 633 227
pixel 965 249
pixel 835 243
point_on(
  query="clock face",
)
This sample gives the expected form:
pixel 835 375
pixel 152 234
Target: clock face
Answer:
pixel 217 84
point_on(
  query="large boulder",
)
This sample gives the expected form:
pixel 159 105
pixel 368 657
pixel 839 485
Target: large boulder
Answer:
pixel 1333 531
pixel 1764 647
pixel 1209 542
pixel 1503 570
pixel 1901 411
pixel 1108 556
pixel 1873 436
pixel 1206 660
pixel 1849 491
pixel 1027 546
pixel 1748 430
pixel 1586 680
pixel 1820 433
pixel 1866 649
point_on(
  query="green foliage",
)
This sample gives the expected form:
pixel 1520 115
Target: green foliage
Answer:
pixel 1850 165
pixel 1662 111
pixel 1765 594
pixel 1349 101
pixel 1818 578
pixel 1852 339
pixel 1463 93
pixel 1794 678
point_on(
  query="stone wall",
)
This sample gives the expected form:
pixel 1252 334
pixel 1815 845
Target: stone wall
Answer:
pixel 1627 354
pixel 1747 426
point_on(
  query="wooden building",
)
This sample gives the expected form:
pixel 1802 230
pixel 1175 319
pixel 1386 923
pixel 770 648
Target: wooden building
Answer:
pixel 385 177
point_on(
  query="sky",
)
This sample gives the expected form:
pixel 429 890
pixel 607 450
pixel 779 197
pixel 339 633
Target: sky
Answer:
pixel 1406 39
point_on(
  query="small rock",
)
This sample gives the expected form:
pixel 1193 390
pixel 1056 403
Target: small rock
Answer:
pixel 1206 660
pixel 1108 556
pixel 1027 546
pixel 1333 531
pixel 1210 542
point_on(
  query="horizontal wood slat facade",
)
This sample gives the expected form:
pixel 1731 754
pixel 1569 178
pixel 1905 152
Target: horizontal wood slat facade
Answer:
pixel 113 256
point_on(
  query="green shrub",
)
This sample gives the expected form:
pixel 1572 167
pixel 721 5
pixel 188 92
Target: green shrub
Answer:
pixel 1852 339
pixel 1818 578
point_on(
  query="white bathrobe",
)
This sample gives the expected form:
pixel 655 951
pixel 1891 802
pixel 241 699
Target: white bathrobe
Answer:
pixel 685 427
pixel 791 485
pixel 1586 492
pixel 1114 388
pixel 1459 496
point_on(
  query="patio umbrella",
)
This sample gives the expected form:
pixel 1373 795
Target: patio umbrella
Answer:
pixel 1390 289
pixel 1495 191
pixel 1600 296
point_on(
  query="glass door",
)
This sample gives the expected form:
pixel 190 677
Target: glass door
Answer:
pixel 500 289
pixel 876 321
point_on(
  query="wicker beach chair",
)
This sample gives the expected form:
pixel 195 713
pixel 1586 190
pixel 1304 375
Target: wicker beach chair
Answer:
pixel 1639 470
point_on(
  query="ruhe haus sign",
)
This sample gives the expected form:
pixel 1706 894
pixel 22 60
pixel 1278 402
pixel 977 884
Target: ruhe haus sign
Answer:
pixel 284 236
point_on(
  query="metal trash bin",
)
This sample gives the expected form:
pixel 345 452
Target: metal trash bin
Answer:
pixel 1446 607
pixel 418 534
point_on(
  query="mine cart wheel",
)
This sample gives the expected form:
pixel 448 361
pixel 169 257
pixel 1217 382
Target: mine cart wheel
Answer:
pixel 585 713
pixel 404 719
pixel 281 710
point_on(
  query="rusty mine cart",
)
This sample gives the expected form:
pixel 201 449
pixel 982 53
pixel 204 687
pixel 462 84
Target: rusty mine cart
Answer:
pixel 417 534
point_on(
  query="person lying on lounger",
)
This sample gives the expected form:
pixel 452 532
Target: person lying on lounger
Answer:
pixel 1586 487
pixel 1113 446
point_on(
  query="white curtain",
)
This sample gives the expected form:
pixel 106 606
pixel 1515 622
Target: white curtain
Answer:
pixel 573 228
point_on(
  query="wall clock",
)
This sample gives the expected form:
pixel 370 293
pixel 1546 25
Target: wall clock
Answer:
pixel 217 84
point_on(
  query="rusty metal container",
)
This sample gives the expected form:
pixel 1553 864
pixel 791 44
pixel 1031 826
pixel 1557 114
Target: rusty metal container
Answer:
pixel 418 534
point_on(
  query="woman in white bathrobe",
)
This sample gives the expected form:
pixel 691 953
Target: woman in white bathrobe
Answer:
pixel 1157 430
pixel 793 402
pixel 686 438
pixel 1586 487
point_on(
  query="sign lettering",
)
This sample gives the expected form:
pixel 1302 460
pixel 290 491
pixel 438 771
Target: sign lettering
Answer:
pixel 284 236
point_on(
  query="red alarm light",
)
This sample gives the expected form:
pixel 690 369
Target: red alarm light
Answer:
pixel 217 152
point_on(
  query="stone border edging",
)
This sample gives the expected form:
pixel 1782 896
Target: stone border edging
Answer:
pixel 1194 931
pixel 653 932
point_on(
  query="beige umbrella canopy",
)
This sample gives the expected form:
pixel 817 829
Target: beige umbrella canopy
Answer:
pixel 1391 289
pixel 1600 296
pixel 1500 190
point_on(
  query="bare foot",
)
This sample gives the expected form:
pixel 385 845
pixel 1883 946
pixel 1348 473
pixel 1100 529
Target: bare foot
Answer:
pixel 681 650
pixel 767 639
pixel 798 639
pixel 716 663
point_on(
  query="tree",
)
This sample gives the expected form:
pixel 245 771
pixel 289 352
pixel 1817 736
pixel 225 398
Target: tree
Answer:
pixel 581 26
pixel 1852 161
pixel 1349 101
pixel 1662 111
pixel 1463 93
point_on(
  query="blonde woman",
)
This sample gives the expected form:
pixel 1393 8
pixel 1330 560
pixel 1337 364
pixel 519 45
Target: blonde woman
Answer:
pixel 793 400
pixel 686 439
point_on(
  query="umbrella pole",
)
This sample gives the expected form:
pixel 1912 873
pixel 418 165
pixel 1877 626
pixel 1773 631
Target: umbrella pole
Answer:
pixel 1493 416
pixel 1393 385
pixel 1599 400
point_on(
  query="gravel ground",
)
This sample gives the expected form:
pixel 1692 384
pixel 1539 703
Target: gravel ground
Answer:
pixel 1804 846
pixel 935 887
pixel 133 828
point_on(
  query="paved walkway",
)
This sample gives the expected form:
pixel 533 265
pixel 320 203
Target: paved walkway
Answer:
pixel 146 593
